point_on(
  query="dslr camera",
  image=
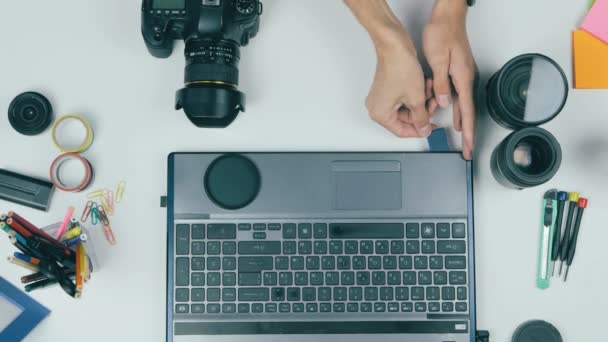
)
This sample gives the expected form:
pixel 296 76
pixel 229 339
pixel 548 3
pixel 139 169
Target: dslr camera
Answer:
pixel 213 31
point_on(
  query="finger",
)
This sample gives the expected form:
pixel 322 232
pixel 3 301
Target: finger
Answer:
pixel 457 116
pixel 467 116
pixel 432 106
pixel 419 117
pixel 441 80
pixel 401 128
pixel 428 91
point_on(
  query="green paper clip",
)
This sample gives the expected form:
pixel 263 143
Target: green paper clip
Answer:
pixel 547 231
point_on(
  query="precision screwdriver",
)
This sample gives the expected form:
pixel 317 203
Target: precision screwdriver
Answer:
pixel 562 197
pixel 582 204
pixel 573 199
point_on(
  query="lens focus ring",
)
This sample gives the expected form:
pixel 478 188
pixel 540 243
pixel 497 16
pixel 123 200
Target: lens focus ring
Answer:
pixel 211 74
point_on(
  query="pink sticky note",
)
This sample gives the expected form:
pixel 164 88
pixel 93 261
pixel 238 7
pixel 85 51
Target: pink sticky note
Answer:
pixel 596 22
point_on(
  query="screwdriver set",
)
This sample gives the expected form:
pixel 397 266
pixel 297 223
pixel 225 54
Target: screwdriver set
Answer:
pixel 558 237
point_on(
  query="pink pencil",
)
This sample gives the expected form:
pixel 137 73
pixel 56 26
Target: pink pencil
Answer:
pixel 65 223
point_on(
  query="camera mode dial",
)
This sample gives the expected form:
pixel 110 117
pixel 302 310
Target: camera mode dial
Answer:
pixel 245 7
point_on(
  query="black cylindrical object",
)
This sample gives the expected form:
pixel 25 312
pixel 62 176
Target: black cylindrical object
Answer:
pixel 30 113
pixel 529 90
pixel 537 331
pixel 527 157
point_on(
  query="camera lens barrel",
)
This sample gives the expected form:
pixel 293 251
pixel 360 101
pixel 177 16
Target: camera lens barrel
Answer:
pixel 529 90
pixel 212 62
pixel 526 158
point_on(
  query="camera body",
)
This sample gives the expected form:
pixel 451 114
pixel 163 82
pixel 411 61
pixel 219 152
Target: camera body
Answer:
pixel 214 31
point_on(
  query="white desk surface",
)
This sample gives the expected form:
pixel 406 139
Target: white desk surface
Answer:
pixel 306 76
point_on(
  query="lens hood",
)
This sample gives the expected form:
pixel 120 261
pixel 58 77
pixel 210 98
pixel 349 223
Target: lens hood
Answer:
pixel 210 106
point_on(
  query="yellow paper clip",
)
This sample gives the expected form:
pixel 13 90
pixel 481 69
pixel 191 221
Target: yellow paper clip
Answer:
pixel 106 207
pixel 87 211
pixel 120 191
pixel 95 194
pixel 72 233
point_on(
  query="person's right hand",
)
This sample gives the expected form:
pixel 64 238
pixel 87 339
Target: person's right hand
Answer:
pixel 397 98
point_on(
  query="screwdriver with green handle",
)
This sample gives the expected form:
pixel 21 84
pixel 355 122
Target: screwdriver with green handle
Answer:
pixel 582 204
pixel 547 231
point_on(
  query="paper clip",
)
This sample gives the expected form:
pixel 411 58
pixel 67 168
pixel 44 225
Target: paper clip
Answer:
pixel 95 194
pixel 87 211
pixel 95 215
pixel 107 231
pixel 120 191
pixel 106 206
pixel 103 217
pixel 110 200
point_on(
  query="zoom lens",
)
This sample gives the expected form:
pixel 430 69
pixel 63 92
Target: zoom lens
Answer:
pixel 210 97
pixel 526 158
pixel 529 90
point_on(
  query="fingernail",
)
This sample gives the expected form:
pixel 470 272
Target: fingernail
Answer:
pixel 444 101
pixel 426 130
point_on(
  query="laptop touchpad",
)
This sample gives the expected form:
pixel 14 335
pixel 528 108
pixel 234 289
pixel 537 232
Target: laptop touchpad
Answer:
pixel 366 185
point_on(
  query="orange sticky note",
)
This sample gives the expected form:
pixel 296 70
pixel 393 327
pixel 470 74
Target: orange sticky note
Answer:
pixel 590 57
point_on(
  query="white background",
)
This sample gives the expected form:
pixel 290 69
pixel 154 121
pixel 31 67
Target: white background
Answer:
pixel 306 76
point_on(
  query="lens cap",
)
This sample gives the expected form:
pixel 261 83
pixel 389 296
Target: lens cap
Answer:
pixel 30 113
pixel 210 106
pixel 232 181
pixel 529 90
pixel 536 331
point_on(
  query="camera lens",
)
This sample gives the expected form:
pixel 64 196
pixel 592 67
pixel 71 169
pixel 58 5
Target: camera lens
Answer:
pixel 30 113
pixel 526 158
pixel 210 97
pixel 529 90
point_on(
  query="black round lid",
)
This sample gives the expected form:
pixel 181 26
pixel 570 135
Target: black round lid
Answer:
pixel 537 331
pixel 30 113
pixel 232 181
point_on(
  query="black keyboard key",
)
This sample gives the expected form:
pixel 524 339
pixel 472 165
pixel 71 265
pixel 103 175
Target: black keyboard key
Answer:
pixel 386 293
pixel 214 263
pixel 198 279
pixel 393 307
pixel 301 278
pixel 221 231
pixel 458 278
pixel 257 307
pixel 198 308
pixel 284 307
pixel 274 226
pixel 312 307
pixel 182 239
pixel 182 271
pixel 409 278
pixel 304 231
pixel 366 247
pixel 293 294
pixel 374 262
pixel 436 262
pixel 461 293
pixel 351 247
pixel 304 247
pixel 270 278
pixel 324 293
pixel 412 230
pixel 359 262
pixel 448 293
pixel 440 278
pixel 320 230
pixel 214 248
pixel 281 263
pixel 352 307
pixel 316 278
pixel 228 308
pixel 277 294
pixel 343 262
pixel 339 307
pixel 259 235
pixel 259 247
pixel 434 307
pixel 428 247
pixel 182 295
pixel 389 262
pixel 347 278
pixel 458 231
pixel 214 279
pixel 198 231
pixel 229 263
pixel 254 294
pixel 290 247
pixel 328 262
pixel 451 247
pixel 228 279
pixel 182 308
pixel 421 262
pixel 461 307
pixel 250 279
pixel 213 294
pixel 289 231
pixel 332 278
pixel 243 308
pixel 370 293
pixel 447 307
pixel 412 247
pixel 379 307
pixel 285 278
pixel 428 230
pixel 378 278
pixel 309 294
pixel 397 247
pixel 425 278
pixel 198 248
pixel 363 278
pixel 382 247
pixel 366 307
pixel 255 264
pixel 340 293
pixel 455 262
pixel 405 262
pixel 259 226
pixel 325 307
pixel 402 293
pixel 366 231
pixel 443 230
pixel 407 307
pixel 229 294
pixel 420 307
pixel 393 278
pixel 244 226
pixel 355 293
pixel 335 247
pixel 198 264
pixel 417 293
pixel 433 293
pixel 213 308
pixel 320 247
pixel 297 263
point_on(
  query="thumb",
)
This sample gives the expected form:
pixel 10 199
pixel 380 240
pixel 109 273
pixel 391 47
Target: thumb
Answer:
pixel 420 119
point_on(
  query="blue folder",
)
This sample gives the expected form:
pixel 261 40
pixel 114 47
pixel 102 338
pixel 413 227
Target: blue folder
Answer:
pixel 31 314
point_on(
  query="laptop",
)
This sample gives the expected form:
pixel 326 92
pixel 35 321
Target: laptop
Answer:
pixel 320 247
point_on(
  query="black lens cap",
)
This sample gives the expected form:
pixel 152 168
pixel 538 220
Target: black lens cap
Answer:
pixel 30 113
pixel 232 181
pixel 535 331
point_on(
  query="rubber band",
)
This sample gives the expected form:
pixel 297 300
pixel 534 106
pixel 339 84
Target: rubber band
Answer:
pixel 88 140
pixel 57 165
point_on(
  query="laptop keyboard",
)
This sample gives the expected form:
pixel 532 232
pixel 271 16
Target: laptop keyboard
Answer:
pixel 347 268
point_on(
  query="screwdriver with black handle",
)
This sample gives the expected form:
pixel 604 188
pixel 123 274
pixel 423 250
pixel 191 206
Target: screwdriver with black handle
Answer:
pixel 563 251
pixel 562 197
pixel 581 205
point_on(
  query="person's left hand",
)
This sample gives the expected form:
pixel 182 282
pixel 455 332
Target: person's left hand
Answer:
pixel 448 52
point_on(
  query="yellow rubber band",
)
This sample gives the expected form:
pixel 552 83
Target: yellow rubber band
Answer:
pixel 88 140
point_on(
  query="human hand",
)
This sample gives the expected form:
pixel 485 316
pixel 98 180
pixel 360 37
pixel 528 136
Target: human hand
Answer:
pixel 448 52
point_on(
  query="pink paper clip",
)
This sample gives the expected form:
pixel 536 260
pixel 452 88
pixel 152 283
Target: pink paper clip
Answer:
pixel 109 234
pixel 110 201
pixel 103 217
pixel 87 211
